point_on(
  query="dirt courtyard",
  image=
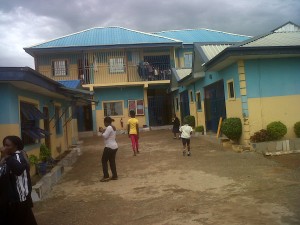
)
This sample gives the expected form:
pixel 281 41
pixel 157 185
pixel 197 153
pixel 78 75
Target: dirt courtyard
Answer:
pixel 162 187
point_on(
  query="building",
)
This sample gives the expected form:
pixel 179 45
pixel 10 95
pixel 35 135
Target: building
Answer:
pixel 39 110
pixel 126 69
pixel 256 80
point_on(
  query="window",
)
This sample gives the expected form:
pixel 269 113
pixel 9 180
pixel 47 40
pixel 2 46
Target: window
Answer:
pixel 58 122
pixel 135 58
pixel 188 60
pixel 113 108
pixel 191 96
pixel 116 65
pixel 59 68
pixel 30 116
pixel 137 106
pixel 198 100
pixel 230 89
pixel 177 104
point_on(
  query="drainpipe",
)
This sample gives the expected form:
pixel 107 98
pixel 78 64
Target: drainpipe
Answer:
pixel 196 106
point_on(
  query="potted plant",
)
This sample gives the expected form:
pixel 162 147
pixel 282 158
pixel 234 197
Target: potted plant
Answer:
pixel 45 156
pixel 199 130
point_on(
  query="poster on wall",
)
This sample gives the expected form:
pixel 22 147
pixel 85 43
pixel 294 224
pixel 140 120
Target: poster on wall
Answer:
pixel 137 106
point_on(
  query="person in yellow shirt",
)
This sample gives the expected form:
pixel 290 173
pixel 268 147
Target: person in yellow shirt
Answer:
pixel 133 132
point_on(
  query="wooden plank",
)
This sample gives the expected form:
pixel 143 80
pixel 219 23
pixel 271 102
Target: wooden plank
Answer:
pixel 219 127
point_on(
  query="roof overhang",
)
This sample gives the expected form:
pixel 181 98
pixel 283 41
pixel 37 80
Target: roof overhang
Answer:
pixel 232 54
pixel 26 78
pixel 33 51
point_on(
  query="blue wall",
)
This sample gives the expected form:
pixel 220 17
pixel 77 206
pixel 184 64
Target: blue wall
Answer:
pixel 226 74
pixel 272 77
pixel 118 93
pixel 9 101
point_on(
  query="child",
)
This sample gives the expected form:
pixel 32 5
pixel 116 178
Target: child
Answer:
pixel 186 132
pixel 176 124
pixel 133 132
pixel 110 150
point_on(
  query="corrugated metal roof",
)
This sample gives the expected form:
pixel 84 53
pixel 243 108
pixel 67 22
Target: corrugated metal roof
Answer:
pixel 211 51
pixel 103 36
pixel 190 36
pixel 276 39
pixel 182 73
pixel 70 83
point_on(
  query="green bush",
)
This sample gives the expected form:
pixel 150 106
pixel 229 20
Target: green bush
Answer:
pixel 190 120
pixel 232 128
pixel 199 129
pixel 297 129
pixel 45 153
pixel 260 136
pixel 276 130
pixel 33 159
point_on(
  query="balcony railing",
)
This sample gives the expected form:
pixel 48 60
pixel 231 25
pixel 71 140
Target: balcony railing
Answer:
pixel 104 74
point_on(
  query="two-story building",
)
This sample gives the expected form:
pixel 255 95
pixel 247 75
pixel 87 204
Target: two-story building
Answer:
pixel 126 69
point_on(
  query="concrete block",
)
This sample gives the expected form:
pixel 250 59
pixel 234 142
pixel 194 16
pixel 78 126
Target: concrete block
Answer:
pixel 261 147
pixel 297 143
pixel 279 146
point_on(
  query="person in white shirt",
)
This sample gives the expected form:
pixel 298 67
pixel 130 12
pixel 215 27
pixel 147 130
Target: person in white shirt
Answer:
pixel 110 150
pixel 185 135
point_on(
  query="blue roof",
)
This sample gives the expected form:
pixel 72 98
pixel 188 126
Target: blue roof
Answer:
pixel 190 36
pixel 71 83
pixel 105 36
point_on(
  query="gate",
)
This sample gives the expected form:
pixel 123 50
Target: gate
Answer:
pixel 214 105
pixel 159 109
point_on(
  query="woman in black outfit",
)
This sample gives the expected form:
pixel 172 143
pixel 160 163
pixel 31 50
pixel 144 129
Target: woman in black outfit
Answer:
pixel 16 184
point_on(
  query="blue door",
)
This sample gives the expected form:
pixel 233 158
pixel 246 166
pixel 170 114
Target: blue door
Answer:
pixel 214 105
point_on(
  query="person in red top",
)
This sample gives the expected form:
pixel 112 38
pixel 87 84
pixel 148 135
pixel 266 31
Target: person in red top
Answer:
pixel 133 132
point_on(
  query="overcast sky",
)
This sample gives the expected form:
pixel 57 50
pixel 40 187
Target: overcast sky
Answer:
pixel 27 22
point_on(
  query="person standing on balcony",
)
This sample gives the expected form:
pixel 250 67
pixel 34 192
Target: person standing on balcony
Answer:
pixel 18 204
pixel 110 149
pixel 133 132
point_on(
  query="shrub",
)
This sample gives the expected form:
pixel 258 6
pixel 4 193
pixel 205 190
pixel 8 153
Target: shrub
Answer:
pixel 199 129
pixel 33 159
pixel 260 136
pixel 232 128
pixel 190 120
pixel 297 129
pixel 45 153
pixel 276 130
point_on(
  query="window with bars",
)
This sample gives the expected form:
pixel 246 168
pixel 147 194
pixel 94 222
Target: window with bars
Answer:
pixel 116 65
pixel 31 133
pixel 60 68
pixel 113 108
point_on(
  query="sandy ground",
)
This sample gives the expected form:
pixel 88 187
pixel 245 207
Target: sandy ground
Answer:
pixel 161 187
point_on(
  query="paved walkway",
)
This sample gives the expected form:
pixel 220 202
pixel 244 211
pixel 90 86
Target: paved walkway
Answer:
pixel 161 187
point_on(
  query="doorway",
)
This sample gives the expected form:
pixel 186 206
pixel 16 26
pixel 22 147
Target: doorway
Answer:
pixel 215 106
pixel 184 105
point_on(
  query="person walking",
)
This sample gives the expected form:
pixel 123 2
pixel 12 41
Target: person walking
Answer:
pixel 110 150
pixel 185 135
pixel 18 202
pixel 133 132
pixel 176 125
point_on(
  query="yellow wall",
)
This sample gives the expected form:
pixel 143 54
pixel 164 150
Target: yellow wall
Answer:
pixel 9 129
pixel 263 111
